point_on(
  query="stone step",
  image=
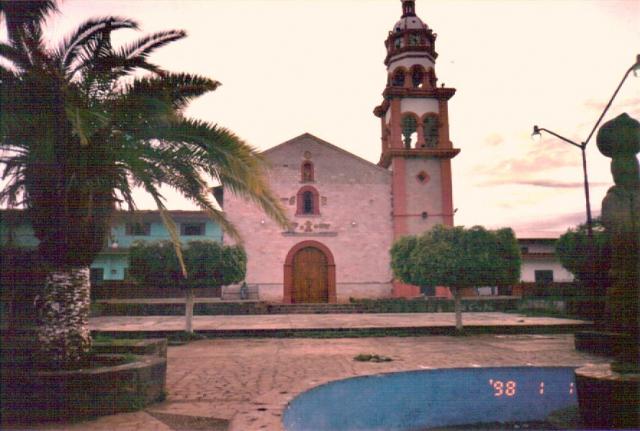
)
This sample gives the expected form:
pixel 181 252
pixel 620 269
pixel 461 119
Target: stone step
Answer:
pixel 314 308
pixel 233 293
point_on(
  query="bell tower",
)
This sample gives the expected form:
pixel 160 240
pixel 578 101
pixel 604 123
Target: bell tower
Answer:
pixel 414 124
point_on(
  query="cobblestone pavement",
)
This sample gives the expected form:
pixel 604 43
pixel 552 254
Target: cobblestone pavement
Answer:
pixel 312 321
pixel 248 382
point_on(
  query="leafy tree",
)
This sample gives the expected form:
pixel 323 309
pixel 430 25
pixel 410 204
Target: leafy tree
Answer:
pixel 458 258
pixel 209 264
pixel 81 125
pixel 587 258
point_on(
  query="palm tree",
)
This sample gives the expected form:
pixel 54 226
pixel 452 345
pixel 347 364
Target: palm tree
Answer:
pixel 80 128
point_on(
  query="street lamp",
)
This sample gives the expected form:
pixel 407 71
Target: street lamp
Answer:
pixel 583 145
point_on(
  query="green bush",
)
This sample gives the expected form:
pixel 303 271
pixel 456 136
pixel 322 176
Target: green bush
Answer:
pixel 208 264
pixel 458 257
pixel 587 258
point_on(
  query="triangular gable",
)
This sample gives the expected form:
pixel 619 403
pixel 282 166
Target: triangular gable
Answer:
pixel 328 145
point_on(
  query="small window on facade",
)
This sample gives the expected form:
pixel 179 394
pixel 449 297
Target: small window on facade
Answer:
pixel 422 177
pixel 414 39
pixel 307 203
pixel 397 42
pixel 543 276
pixel 138 229
pixel 524 250
pixel 409 130
pixel 192 229
pixel 307 172
pixel 431 131
pixel 398 79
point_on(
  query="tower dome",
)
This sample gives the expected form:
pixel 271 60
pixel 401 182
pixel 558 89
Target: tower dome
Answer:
pixel 410 34
pixel 409 19
pixel 409 23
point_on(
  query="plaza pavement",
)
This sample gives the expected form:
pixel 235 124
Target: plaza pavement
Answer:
pixel 267 324
pixel 246 383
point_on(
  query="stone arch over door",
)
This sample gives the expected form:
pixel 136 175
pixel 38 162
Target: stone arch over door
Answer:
pixel 316 260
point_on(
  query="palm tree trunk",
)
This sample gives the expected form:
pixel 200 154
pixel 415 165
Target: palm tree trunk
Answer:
pixel 63 317
pixel 457 307
pixel 189 310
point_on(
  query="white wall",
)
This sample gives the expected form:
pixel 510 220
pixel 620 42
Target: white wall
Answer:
pixel 529 266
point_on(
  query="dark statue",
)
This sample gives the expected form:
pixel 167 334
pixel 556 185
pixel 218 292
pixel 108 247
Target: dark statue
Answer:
pixel 619 139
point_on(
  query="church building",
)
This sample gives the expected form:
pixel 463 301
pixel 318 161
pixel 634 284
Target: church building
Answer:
pixel 346 212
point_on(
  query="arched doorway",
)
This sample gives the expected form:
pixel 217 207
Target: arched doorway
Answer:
pixel 309 274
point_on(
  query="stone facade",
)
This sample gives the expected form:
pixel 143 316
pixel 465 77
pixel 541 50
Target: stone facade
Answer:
pixel 354 221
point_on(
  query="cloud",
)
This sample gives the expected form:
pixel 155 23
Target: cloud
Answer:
pixel 543 157
pixel 542 183
pixel 552 226
pixel 493 140
pixel 630 104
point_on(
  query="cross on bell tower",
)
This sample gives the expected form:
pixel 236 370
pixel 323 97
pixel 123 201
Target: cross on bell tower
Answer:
pixel 414 123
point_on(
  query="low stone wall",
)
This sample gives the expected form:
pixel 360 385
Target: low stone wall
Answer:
pixel 422 305
pixel 608 399
pixel 172 309
pixel 346 291
pixel 72 394
pixel 436 305
pixel 132 290
pixel 544 304
pixel 585 307
pixel 150 346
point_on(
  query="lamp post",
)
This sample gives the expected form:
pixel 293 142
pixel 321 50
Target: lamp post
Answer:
pixel 583 145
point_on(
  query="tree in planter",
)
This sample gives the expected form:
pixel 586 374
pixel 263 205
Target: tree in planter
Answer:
pixel 208 263
pixel 587 258
pixel 458 258
pixel 80 127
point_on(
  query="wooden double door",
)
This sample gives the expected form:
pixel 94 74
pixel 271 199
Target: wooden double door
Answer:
pixel 310 276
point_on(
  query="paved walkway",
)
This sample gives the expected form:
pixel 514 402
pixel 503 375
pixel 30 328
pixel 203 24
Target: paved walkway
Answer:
pixel 245 384
pixel 280 322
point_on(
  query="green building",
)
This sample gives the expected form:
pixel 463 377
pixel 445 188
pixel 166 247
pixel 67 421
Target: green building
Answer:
pixel 113 261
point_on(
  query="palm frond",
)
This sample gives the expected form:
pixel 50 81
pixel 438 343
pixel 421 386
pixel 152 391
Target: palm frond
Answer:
pixel 16 57
pixel 24 13
pixel 78 138
pixel 224 156
pixel 169 224
pixel 89 30
pixel 146 45
pixel 178 88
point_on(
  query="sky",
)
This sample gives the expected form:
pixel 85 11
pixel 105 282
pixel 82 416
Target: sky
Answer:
pixel 290 67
